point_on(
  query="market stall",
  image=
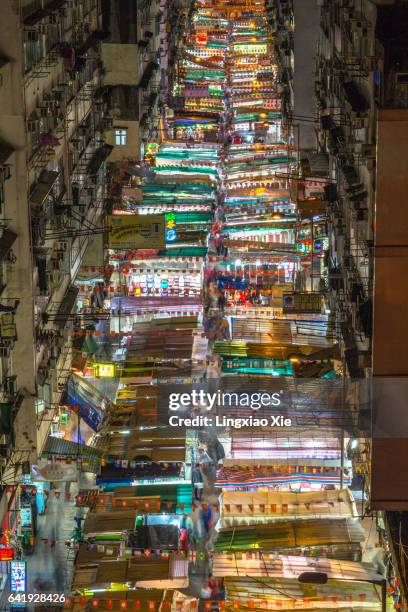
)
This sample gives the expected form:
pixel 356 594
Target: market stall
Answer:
pixel 247 507
pixel 334 539
pixel 283 476
pixel 143 571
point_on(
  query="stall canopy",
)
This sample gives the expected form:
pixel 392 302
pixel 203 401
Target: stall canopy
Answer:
pixel 251 506
pixel 142 571
pixel 138 599
pixel 57 447
pixel 154 537
pixel 109 522
pixel 276 566
pixel 342 535
pixel 283 593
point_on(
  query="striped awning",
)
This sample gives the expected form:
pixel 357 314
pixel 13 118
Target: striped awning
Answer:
pixel 59 447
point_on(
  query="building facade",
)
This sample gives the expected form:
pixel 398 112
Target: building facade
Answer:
pixel 53 187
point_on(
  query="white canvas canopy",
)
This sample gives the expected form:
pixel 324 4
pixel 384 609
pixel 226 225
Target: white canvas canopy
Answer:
pixel 248 507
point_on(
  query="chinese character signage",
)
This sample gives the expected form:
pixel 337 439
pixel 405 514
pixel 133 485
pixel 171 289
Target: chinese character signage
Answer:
pixel 305 247
pixel 54 472
pixel 89 372
pixel 6 554
pixel 128 232
pixel 302 302
pixel 8 326
pixel 171 231
pixel 25 517
pixel 18 576
pixel 104 370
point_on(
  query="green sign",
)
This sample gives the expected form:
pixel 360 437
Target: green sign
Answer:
pixel 275 367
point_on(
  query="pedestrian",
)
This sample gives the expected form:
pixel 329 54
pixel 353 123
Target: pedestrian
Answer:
pixel 198 482
pixel 207 516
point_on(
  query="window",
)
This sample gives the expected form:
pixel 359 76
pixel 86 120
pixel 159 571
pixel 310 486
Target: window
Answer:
pixel 120 136
pixel 32 49
pixel 2 197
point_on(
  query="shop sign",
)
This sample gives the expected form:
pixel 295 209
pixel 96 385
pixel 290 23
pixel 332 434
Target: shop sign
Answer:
pixel 6 554
pixel 89 372
pixel 7 326
pixel 197 92
pixel 302 302
pixel 251 48
pixel 152 148
pixel 104 370
pixel 305 247
pixel 171 231
pixel 136 232
pixel 63 419
pixel 25 517
pixel 237 363
pixel 18 576
pixel 54 472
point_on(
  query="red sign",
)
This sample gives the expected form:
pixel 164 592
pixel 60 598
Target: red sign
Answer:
pixel 6 554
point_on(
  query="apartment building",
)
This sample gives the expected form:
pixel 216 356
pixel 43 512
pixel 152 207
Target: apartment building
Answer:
pixel 296 26
pixel 132 74
pixel 353 54
pixel 362 91
pixel 53 193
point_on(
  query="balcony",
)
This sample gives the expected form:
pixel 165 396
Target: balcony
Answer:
pixel 38 14
pixel 147 74
pixel 98 158
pixel 355 98
pixel 43 187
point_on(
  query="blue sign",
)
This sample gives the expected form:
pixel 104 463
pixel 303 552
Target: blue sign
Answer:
pixel 18 576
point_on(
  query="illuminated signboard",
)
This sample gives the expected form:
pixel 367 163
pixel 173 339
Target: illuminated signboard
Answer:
pixel 152 148
pixel 6 554
pixel 89 372
pixel 171 231
pixel 104 370
pixel 18 576
pixel 305 246
pixel 136 232
pixel 302 302
pixel 25 517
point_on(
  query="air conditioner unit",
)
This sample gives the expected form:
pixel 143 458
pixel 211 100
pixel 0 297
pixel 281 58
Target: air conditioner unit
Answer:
pixel 4 351
pixel 5 440
pixel 357 122
pixel 62 245
pixel 53 277
pixel 371 63
pixel 370 163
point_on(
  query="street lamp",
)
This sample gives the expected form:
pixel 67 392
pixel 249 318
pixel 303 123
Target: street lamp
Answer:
pixel 322 578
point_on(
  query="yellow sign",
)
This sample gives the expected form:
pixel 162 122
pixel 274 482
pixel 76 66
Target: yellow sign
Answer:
pixel 136 232
pixel 8 326
pixel 104 370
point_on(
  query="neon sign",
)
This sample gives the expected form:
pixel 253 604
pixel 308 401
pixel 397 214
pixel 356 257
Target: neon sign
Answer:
pixel 18 576
pixel 171 231
pixel 104 370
